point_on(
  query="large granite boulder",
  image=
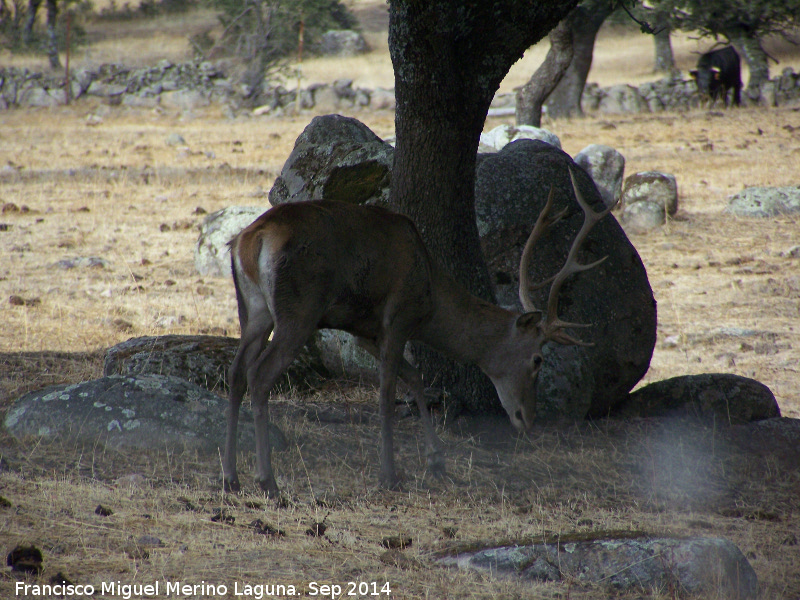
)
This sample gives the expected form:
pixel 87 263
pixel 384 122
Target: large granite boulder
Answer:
pixel 335 158
pixel 145 411
pixel 212 254
pixel 605 166
pixel 342 42
pixel 720 397
pixel 203 360
pixel 764 202
pixel 706 567
pixel 642 216
pixel 614 298
pixel 502 135
pixel 651 186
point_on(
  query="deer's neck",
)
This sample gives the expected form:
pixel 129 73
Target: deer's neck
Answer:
pixel 465 327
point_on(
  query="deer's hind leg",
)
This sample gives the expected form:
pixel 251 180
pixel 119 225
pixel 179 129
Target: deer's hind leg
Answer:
pixel 255 334
pixel 287 341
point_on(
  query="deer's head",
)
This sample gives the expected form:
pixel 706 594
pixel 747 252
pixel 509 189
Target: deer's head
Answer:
pixel 516 383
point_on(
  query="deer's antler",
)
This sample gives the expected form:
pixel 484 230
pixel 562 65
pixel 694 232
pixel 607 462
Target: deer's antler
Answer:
pixel 554 327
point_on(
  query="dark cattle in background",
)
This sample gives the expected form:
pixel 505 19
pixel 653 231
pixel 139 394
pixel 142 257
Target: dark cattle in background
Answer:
pixel 717 72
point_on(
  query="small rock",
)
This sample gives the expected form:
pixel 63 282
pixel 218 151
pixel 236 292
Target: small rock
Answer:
pixel 20 301
pixel 263 528
pixel 175 139
pixel 26 559
pixel 83 262
pixel 317 530
pixel 450 532
pixel 651 186
pixel 642 216
pixel 606 167
pixel 793 252
pixel 501 136
pixel 399 542
pixel 222 516
pixel 763 202
pixel 149 541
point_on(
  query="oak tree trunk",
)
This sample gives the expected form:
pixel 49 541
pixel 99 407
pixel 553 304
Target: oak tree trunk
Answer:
pixel 565 101
pixel 664 59
pixel 449 58
pixel 531 96
pixel 748 45
pixel 30 20
pixel 52 39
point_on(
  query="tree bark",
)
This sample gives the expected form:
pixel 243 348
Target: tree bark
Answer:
pixel 52 39
pixel 30 20
pixel 449 58
pixel 748 45
pixel 531 96
pixel 565 101
pixel 664 59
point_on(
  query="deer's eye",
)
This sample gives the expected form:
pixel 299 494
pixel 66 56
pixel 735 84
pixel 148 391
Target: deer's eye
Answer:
pixel 537 361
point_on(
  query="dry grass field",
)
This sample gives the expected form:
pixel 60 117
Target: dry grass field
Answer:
pixel 110 187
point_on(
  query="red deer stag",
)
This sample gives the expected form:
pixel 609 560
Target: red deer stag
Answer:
pixel 365 270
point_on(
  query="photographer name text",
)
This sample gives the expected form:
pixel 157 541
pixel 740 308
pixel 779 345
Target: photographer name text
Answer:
pixel 176 589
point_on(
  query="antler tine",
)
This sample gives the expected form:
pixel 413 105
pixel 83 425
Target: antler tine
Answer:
pixel 542 223
pixel 555 325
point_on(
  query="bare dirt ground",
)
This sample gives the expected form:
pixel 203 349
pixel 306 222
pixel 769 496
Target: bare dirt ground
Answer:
pixel 76 186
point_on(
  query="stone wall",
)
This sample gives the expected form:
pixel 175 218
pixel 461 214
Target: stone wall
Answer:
pixel 194 84
pixel 186 85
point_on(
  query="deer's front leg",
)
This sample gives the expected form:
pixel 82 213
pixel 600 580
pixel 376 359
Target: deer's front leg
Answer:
pixel 388 384
pixel 434 449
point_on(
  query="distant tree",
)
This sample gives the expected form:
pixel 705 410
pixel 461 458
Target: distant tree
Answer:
pixel 662 39
pixel 532 95
pixel 10 20
pixel 52 39
pixel 584 22
pixel 743 23
pixel 262 32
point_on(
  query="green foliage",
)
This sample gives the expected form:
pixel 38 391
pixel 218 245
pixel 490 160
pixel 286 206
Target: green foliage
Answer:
pixel 726 18
pixel 285 18
pixel 145 9
pixel 262 34
pixel 12 22
pixel 12 19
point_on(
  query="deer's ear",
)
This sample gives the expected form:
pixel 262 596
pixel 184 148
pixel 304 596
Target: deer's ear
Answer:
pixel 529 319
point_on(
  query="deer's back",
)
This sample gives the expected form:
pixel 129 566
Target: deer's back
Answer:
pixel 355 265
